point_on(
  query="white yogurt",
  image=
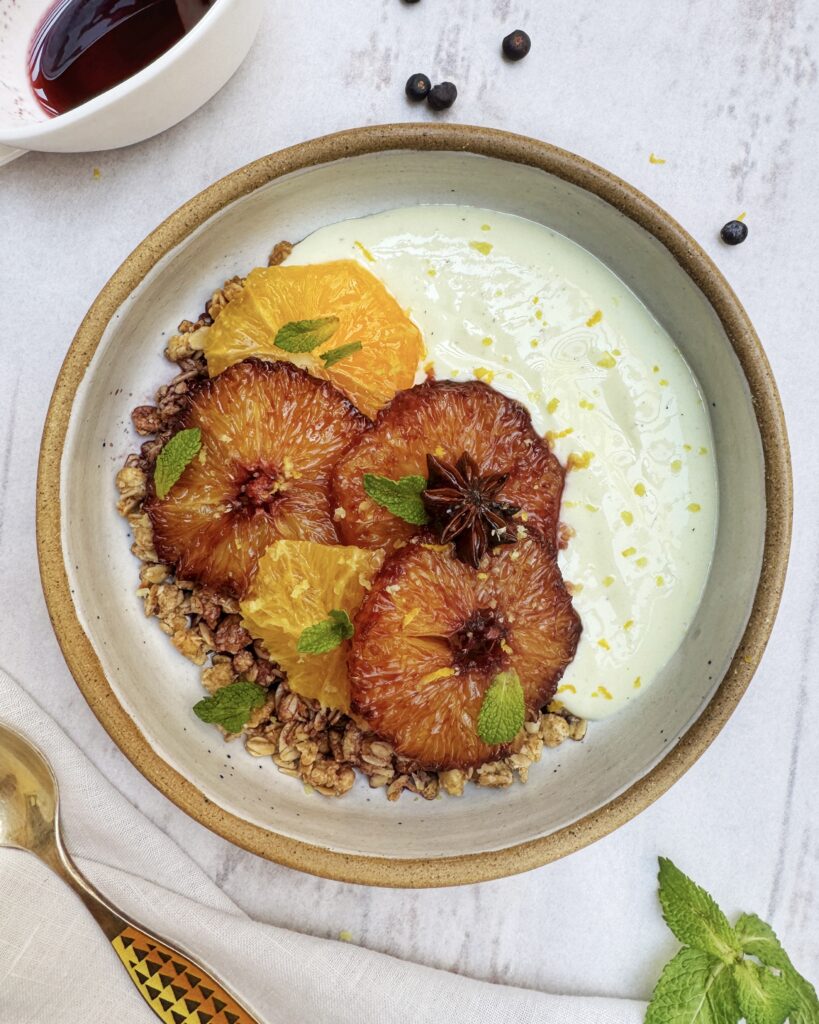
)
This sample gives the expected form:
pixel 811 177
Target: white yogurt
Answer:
pixel 510 301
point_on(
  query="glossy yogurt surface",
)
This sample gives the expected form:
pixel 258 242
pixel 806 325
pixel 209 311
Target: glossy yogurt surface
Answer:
pixel 510 302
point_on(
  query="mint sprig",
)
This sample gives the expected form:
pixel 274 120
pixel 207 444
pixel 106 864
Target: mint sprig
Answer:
pixel 759 940
pixel 723 973
pixel 693 989
pixel 326 635
pixel 401 497
pixel 231 705
pixel 503 710
pixel 305 335
pixel 334 355
pixel 693 915
pixel 174 459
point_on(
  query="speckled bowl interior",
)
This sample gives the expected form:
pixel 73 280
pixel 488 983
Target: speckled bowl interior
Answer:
pixel 156 687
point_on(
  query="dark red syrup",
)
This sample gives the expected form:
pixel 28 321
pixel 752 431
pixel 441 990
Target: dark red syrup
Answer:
pixel 84 47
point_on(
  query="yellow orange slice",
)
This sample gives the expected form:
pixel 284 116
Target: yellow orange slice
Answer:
pixel 391 344
pixel 297 584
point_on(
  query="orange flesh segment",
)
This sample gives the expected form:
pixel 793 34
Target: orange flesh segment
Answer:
pixel 392 347
pixel 297 584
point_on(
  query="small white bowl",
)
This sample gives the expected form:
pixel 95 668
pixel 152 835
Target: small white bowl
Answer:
pixel 159 96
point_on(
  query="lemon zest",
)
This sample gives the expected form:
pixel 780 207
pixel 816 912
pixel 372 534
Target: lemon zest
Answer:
pixel 439 673
pixel 413 613
pixel 364 251
pixel 579 461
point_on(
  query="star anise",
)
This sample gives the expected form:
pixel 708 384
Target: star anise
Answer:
pixel 462 507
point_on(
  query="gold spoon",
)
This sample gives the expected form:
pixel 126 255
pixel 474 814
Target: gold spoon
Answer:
pixel 177 988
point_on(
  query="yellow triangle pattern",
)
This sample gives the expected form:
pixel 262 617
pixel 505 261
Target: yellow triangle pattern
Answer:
pixel 176 990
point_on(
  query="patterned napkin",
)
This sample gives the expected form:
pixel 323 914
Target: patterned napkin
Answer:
pixel 56 965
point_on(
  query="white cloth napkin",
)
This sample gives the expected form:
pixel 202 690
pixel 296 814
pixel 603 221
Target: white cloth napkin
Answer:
pixel 55 964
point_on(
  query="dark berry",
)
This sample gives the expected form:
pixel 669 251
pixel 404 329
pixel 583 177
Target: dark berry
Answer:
pixel 442 96
pixel 418 87
pixel 734 232
pixel 517 44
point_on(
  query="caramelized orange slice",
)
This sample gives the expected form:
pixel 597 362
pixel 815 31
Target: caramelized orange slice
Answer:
pixel 433 633
pixel 271 435
pixel 445 418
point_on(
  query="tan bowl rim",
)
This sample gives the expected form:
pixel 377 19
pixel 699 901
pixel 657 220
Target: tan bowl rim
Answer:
pixel 468 868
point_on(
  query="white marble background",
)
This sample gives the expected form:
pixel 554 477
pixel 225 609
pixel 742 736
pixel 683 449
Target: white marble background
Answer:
pixel 727 94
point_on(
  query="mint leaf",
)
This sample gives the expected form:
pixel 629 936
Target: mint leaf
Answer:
pixel 305 335
pixel 401 497
pixel 326 635
pixel 335 354
pixel 759 939
pixel 693 916
pixel 694 988
pixel 231 705
pixel 503 710
pixel 174 459
pixel 764 997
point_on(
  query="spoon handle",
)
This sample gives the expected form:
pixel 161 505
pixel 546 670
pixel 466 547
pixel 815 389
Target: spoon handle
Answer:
pixel 176 988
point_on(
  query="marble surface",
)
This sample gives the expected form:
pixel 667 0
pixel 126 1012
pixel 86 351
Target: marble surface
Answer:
pixel 727 95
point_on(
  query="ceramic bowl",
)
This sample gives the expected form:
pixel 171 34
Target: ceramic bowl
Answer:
pixel 162 94
pixel 142 690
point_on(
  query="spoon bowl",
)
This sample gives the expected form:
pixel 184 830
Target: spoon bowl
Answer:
pixel 28 796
